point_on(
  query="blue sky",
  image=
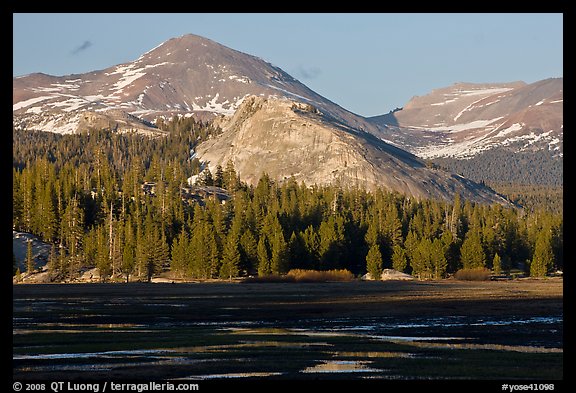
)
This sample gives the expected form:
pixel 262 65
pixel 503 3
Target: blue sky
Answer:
pixel 367 63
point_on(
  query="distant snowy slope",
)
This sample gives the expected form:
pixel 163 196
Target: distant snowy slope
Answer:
pixel 467 119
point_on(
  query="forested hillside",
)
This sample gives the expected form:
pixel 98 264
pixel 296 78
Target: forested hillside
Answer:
pixel 118 202
pixel 537 167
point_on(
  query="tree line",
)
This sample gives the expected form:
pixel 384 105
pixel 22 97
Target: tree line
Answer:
pixel 83 194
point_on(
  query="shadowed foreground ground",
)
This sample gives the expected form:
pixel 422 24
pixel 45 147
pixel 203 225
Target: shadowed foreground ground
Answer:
pixel 354 330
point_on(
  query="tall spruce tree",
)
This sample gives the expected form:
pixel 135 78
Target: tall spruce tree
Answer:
pixel 29 257
pixel 543 258
pixel 399 258
pixel 374 262
pixel 264 266
pixel 497 264
pixel 472 253
pixel 230 257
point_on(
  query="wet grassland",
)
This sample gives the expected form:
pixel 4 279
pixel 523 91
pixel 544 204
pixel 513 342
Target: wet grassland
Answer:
pixel 351 330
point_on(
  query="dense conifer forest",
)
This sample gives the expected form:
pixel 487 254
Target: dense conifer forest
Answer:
pixel 122 203
pixel 504 165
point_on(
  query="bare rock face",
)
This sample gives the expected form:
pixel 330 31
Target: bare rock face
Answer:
pixel 286 138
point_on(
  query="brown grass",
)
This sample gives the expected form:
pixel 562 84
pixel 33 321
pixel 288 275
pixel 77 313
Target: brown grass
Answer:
pixel 302 275
pixel 476 274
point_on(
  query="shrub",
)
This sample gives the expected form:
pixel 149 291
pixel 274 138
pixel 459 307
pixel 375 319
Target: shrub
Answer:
pixel 268 278
pixel 475 274
pixel 302 275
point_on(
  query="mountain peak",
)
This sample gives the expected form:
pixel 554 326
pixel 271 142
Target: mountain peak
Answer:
pixel 282 121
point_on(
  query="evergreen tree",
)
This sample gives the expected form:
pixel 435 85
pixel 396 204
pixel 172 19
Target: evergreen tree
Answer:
pixel 159 254
pixel 331 233
pixel 264 267
pixel 497 264
pixel 203 250
pixel 543 258
pixel 312 246
pixel 279 254
pixel 128 260
pixel 374 262
pixel 230 257
pixel 373 235
pixel 219 176
pixel 180 263
pixel 248 253
pixel 128 263
pixel 438 259
pixel 14 264
pixel 47 215
pixel 103 261
pixel 297 254
pixel 472 253
pixel 16 199
pixel 205 178
pixel 410 245
pixel 52 262
pixel 230 177
pixel 399 259
pixel 141 252
pixel 27 187
pixel 421 261
pixel 455 220
pixel 72 229
pixel 29 257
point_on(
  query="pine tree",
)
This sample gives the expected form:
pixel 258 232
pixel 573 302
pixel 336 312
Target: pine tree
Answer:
pixel 399 259
pixel 410 245
pixel 455 221
pixel 312 246
pixel 331 233
pixel 438 259
pixel 128 260
pixel 52 261
pixel 421 262
pixel 47 215
pixel 297 254
pixel 27 187
pixel 279 255
pixel 248 252
pixel 180 262
pixel 29 257
pixel 543 258
pixel 264 267
pixel 219 176
pixel 16 199
pixel 373 235
pixel 141 251
pixel 159 254
pixel 203 248
pixel 497 264
pixel 391 227
pixel 103 261
pixel 374 262
pixel 472 253
pixel 230 257
pixel 230 177
pixel 205 178
pixel 72 229
pixel 14 264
